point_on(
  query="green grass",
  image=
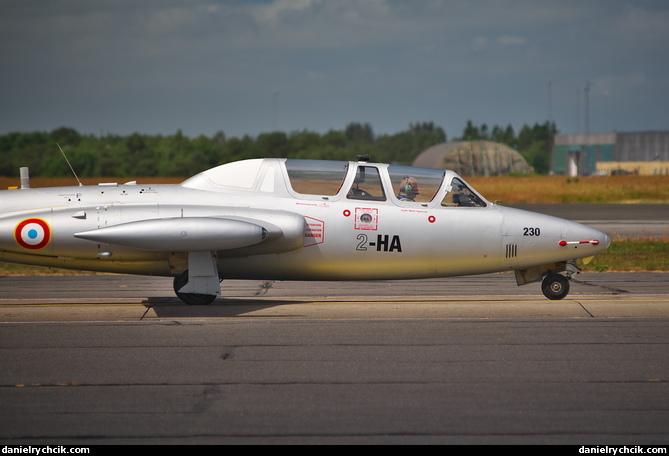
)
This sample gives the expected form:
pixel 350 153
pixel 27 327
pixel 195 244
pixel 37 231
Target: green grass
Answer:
pixel 632 255
pixel 578 190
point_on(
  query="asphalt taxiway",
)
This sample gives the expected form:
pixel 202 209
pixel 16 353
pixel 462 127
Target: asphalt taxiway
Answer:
pixel 133 298
pixel 110 359
pixel 118 360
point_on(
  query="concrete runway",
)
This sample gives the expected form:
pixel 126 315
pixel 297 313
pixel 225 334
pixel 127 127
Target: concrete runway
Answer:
pixel 473 360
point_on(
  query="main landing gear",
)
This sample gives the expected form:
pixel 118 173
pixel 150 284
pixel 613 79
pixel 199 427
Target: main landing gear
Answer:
pixel 192 299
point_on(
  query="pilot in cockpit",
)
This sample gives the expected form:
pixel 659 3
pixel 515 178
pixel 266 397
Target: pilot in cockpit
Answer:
pixel 408 189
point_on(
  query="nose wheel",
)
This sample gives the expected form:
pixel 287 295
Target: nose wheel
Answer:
pixel 555 286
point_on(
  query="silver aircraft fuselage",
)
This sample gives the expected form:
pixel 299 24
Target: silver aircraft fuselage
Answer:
pixel 279 219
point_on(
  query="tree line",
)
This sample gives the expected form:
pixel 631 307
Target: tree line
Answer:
pixel 178 155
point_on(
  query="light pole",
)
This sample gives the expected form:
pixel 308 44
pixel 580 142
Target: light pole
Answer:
pixel 274 97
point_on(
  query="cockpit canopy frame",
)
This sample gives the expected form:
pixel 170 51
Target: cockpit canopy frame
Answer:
pixel 332 180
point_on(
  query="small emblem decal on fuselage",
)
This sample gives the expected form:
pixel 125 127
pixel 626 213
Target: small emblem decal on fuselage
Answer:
pixel 33 234
pixel 366 218
pixel 315 232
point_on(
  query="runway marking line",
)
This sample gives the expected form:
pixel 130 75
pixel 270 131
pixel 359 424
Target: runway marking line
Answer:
pixel 296 301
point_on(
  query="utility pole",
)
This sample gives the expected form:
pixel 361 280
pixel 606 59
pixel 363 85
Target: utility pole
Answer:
pixel 550 124
pixel 587 107
pixel 578 114
pixel 274 96
pixel 550 97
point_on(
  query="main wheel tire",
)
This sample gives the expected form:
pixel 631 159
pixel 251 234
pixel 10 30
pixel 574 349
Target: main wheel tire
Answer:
pixel 192 299
pixel 555 286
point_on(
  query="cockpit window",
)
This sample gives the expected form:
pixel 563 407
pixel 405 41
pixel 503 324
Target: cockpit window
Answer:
pixel 418 185
pixel 367 185
pixel 461 196
pixel 316 177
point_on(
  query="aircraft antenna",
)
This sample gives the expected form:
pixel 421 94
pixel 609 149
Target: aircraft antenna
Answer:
pixel 68 164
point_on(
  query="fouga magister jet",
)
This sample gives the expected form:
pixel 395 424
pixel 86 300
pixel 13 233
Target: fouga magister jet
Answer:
pixel 291 219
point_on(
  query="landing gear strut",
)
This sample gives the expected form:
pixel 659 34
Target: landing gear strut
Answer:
pixel 192 299
pixel 555 286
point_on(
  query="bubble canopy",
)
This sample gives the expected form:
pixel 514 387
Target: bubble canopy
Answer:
pixel 334 179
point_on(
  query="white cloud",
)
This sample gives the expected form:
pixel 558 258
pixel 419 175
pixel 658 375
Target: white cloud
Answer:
pixel 363 55
pixel 480 42
pixel 642 26
pixel 508 40
pixel 620 83
pixel 270 12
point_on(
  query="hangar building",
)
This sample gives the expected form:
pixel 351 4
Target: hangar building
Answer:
pixel 474 159
pixel 645 153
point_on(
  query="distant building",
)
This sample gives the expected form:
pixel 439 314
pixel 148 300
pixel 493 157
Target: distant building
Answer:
pixel 645 153
pixel 474 159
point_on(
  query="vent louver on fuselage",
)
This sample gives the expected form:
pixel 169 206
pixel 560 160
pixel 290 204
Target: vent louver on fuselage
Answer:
pixel 511 250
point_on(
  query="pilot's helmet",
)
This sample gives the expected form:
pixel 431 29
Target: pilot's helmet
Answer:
pixel 409 185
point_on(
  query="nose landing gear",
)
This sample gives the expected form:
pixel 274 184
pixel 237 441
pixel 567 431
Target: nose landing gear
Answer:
pixel 555 286
pixel 556 277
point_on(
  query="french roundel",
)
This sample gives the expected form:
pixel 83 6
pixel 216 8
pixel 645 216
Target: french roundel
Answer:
pixel 33 234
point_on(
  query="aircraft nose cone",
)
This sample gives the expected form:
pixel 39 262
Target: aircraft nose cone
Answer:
pixel 578 233
pixel 607 240
pixel 603 238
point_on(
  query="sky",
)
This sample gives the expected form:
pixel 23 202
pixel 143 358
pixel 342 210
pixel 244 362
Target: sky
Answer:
pixel 255 66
